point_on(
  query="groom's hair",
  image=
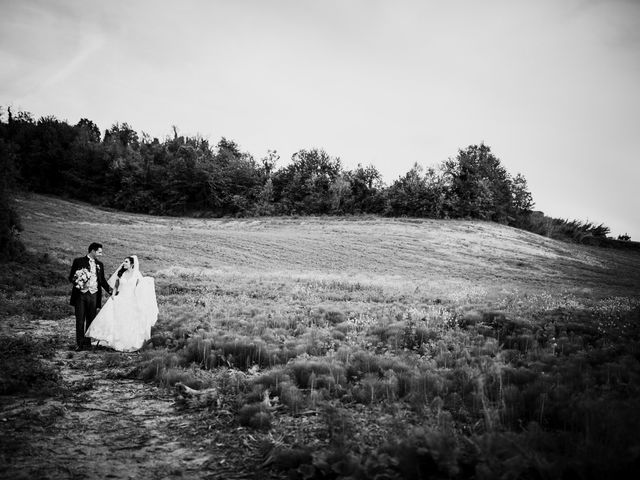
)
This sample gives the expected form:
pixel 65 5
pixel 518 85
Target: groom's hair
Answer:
pixel 94 246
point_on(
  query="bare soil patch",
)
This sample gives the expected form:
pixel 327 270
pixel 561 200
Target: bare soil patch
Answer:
pixel 101 425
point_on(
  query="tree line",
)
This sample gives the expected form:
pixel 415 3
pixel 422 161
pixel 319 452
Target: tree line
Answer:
pixel 182 175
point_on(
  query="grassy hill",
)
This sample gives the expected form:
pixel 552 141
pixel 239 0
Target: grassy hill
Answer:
pixel 370 346
pixel 440 258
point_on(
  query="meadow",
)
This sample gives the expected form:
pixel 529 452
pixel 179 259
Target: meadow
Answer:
pixel 367 347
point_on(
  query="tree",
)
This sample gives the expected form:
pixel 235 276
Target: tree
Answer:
pixel 47 161
pixel 522 200
pixel 87 131
pixel 228 150
pixel 478 186
pixel 269 162
pixel 84 175
pixel 366 190
pixel 416 194
pixel 265 204
pixel 122 134
pixel 10 226
pixel 304 185
pixel 244 182
pixel 340 194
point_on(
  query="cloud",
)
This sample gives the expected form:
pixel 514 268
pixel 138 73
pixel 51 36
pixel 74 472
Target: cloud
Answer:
pixel 89 44
pixel 550 86
pixel 43 43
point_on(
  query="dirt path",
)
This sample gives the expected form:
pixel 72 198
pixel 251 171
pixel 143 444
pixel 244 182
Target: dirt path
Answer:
pixel 108 427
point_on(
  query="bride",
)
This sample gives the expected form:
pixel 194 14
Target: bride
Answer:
pixel 124 322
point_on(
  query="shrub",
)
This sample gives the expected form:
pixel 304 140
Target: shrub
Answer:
pixel 272 378
pixel 374 388
pixel 362 362
pixel 291 396
pixel 426 453
pixel 567 230
pixel 309 373
pixel 11 247
pixel 255 415
pixel 24 368
pixel 42 284
pixel 155 363
pixel 191 377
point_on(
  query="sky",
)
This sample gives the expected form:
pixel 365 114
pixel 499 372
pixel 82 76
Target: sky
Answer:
pixel 552 87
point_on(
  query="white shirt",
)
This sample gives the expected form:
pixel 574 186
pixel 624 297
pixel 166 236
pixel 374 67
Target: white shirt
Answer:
pixel 92 284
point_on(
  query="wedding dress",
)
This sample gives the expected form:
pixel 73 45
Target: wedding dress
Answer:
pixel 124 322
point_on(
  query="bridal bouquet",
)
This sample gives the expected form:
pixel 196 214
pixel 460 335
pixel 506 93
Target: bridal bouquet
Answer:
pixel 81 278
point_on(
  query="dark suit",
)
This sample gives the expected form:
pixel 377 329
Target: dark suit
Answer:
pixel 86 304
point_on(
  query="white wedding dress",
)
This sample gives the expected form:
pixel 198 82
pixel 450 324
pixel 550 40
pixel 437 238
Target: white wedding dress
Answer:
pixel 124 322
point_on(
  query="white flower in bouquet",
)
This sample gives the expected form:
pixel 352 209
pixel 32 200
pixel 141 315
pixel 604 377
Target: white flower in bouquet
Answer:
pixel 81 278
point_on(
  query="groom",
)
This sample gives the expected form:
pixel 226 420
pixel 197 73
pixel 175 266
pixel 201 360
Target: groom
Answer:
pixel 87 276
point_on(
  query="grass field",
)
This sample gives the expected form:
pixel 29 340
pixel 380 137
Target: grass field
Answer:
pixel 371 347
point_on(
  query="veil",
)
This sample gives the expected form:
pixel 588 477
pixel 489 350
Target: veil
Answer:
pixel 136 265
pixel 134 271
pixel 145 291
pixel 146 294
pixel 114 276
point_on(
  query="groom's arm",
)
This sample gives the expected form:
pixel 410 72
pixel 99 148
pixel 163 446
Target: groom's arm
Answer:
pixel 74 269
pixel 103 281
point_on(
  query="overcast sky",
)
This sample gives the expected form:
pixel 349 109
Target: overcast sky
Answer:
pixel 553 87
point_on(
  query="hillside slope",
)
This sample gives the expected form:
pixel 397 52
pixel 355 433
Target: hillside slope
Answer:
pixel 471 349
pixel 442 257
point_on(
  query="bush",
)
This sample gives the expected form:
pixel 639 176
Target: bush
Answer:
pixel 312 373
pixel 24 368
pixel 255 415
pixel 566 230
pixel 42 284
pixel 11 247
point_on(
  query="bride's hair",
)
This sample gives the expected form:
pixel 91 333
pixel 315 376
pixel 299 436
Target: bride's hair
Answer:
pixel 122 270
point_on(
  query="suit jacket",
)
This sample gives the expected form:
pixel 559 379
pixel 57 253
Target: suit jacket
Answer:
pixel 79 264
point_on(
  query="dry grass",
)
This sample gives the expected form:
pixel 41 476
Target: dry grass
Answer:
pixel 442 259
pixel 487 343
